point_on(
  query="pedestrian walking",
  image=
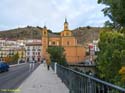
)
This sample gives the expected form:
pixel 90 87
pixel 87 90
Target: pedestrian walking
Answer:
pixel 44 62
pixel 48 63
pixel 31 65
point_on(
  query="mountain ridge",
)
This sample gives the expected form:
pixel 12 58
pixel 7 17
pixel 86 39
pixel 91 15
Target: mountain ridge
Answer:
pixel 83 34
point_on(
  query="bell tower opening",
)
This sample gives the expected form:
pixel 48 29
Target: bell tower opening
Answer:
pixel 44 32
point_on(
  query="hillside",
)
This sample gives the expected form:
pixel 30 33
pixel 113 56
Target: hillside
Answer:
pixel 83 34
pixel 86 34
pixel 28 32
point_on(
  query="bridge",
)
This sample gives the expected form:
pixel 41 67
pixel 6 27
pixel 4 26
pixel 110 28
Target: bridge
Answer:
pixel 81 83
pixel 61 79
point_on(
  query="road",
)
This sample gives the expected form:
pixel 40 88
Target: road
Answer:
pixel 15 76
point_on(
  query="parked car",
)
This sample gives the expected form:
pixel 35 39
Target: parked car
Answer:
pixel 4 66
pixel 21 61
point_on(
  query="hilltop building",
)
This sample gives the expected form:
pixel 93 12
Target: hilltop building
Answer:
pixel 75 52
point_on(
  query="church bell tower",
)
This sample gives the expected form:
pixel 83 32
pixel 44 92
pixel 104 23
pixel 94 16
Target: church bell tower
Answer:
pixel 66 25
pixel 44 41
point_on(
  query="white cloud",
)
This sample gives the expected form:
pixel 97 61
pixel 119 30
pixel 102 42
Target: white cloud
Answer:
pixel 16 13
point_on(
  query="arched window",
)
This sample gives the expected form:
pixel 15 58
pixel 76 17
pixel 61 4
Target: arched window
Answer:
pixel 68 43
pixel 44 33
pixel 49 42
pixel 53 43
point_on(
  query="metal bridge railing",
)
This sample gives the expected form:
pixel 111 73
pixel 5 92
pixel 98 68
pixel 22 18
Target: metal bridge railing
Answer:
pixel 52 65
pixel 81 83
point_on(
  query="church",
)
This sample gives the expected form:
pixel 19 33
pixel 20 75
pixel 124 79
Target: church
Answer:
pixel 74 52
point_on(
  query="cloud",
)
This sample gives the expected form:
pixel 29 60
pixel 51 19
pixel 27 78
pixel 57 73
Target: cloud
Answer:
pixel 17 13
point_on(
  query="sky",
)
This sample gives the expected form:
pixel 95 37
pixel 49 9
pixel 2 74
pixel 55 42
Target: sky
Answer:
pixel 52 13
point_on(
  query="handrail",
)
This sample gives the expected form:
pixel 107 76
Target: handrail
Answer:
pixel 95 80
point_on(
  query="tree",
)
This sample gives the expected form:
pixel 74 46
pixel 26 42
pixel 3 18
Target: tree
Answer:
pixel 115 10
pixel 14 58
pixel 57 54
pixel 7 59
pixel 111 55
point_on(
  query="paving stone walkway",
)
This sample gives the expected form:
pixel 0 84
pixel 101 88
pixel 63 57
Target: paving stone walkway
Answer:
pixel 43 81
